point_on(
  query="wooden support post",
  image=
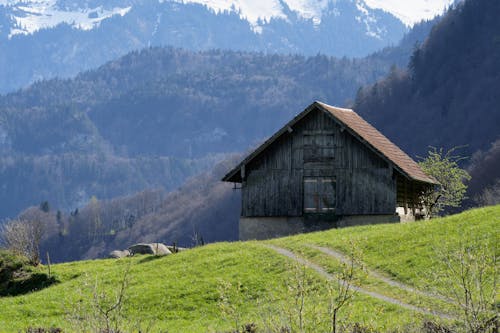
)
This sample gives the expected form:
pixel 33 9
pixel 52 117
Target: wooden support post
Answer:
pixel 405 196
pixel 48 264
pixel 242 170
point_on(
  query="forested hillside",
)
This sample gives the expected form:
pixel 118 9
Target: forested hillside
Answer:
pixel 155 117
pixel 484 187
pixel 203 210
pixel 449 94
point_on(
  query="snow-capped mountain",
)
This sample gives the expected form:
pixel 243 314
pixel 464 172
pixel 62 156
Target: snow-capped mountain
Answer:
pixel 32 15
pixel 46 38
pixel 29 18
pixel 411 11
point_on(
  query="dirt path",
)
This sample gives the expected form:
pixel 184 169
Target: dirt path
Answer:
pixel 343 258
pixel 378 296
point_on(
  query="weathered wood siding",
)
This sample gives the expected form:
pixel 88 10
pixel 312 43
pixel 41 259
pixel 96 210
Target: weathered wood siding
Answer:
pixel 317 146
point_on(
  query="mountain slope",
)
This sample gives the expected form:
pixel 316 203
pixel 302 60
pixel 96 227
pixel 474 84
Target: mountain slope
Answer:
pixel 448 97
pixel 168 111
pixel 48 38
pixel 183 292
pixel 203 209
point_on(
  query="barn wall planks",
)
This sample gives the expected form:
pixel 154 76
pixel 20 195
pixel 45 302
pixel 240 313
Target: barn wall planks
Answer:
pixel 317 146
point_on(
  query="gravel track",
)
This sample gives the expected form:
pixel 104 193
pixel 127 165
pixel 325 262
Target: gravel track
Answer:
pixel 361 290
pixel 343 258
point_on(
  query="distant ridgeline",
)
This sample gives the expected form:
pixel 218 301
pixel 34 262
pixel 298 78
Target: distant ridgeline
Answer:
pixel 86 38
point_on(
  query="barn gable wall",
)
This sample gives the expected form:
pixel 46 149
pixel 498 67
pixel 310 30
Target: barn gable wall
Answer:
pixel 317 146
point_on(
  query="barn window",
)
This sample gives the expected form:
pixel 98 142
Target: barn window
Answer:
pixel 319 194
pixel 318 147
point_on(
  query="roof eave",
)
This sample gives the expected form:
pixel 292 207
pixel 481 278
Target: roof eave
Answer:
pixel 229 177
pixel 232 176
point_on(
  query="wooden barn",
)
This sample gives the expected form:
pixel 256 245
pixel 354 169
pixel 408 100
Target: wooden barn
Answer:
pixel 326 168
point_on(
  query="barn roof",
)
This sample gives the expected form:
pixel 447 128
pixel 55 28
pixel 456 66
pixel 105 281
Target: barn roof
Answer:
pixel 359 128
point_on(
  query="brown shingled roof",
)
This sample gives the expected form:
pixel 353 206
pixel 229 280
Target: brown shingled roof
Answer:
pixel 379 142
pixel 361 129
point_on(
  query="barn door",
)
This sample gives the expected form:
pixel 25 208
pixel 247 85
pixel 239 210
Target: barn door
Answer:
pixel 319 194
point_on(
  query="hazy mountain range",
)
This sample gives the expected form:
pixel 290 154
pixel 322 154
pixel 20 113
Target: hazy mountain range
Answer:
pixel 40 39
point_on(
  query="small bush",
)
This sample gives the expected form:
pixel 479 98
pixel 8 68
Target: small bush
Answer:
pixel 18 277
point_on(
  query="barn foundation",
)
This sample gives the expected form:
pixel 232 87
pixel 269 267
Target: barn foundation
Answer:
pixel 260 228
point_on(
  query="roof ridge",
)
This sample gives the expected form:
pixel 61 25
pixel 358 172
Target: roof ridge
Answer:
pixel 334 107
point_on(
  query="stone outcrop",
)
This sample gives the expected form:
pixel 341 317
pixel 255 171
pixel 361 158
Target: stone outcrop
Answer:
pixel 117 254
pixel 158 249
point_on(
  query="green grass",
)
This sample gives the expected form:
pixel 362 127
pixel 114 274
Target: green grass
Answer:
pixel 406 251
pixel 181 292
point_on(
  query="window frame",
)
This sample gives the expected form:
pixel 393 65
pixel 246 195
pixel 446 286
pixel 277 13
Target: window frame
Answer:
pixel 319 195
pixel 314 151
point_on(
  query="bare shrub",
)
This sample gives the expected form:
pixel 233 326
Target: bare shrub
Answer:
pixel 231 301
pixel 300 287
pixel 102 309
pixel 23 237
pixel 471 277
pixel 341 292
pixel 99 310
pixel 490 195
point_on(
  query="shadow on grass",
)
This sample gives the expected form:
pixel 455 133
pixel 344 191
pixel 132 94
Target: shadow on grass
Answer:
pixel 74 276
pixel 149 258
pixel 26 284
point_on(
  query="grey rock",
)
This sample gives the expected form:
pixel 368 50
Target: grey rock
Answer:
pixel 149 248
pixel 117 254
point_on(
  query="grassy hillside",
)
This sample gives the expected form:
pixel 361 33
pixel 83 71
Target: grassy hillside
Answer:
pixel 182 292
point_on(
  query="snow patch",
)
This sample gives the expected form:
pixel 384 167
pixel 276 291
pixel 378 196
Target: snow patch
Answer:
pixel 411 11
pixel 40 14
pixel 369 21
pixel 408 11
pixel 253 11
pixel 308 9
pixel 258 11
